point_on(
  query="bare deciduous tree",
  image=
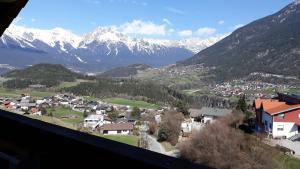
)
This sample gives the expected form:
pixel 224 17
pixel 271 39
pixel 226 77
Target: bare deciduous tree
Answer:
pixel 221 146
pixel 171 124
pixel 152 127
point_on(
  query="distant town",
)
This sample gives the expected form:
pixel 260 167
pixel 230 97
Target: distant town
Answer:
pixel 101 118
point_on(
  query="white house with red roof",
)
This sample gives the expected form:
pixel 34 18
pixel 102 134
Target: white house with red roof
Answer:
pixel 280 117
pixel 118 128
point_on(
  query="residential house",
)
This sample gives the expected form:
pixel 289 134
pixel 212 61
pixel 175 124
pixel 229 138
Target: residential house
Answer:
pixel 37 86
pixel 35 111
pixel 93 121
pixel 64 103
pixel 118 128
pixel 25 104
pixel 188 125
pixel 157 118
pixel 41 101
pixel 107 120
pixel 100 111
pixel 7 104
pixel 279 116
pixel 79 107
pixel 208 114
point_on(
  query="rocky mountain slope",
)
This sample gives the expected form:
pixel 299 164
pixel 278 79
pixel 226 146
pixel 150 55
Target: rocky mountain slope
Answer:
pixel 268 45
pixel 97 51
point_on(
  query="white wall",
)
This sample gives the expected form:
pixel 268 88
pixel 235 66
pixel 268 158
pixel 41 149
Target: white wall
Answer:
pixel 112 132
pixel 116 132
pixel 93 123
pixel 289 129
pixel 267 118
pixel 208 119
pixel 107 122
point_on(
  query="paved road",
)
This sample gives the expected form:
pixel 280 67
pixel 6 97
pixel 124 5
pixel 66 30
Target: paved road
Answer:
pixel 286 143
pixel 155 146
pixel 289 144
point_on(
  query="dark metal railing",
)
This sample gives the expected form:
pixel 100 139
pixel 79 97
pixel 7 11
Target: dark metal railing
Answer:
pixel 29 143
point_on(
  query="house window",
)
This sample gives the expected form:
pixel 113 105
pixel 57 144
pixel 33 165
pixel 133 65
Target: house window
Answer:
pixel 119 131
pixel 281 115
pixel 124 130
pixel 280 128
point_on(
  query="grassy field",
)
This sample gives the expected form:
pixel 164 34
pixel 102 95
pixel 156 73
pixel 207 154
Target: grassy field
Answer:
pixel 70 84
pixel 58 112
pixel 90 98
pixel 167 146
pixel 17 93
pixel 126 139
pixel 289 162
pixel 54 120
pixel 294 91
pixel 133 103
pixel 190 92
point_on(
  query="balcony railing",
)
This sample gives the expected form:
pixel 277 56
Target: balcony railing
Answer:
pixel 29 143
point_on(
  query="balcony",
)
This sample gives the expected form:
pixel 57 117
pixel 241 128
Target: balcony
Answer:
pixel 29 143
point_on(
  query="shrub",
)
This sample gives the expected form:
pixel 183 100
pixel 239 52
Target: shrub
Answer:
pixel 162 134
pixel 219 145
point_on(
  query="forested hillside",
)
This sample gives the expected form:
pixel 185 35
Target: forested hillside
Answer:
pixel 44 74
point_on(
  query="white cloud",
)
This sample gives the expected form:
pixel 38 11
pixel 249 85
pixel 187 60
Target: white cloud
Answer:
pixel 238 26
pixel 167 21
pixel 221 22
pixel 33 19
pixel 185 33
pixel 206 31
pixel 174 10
pixel 142 28
pixel 171 30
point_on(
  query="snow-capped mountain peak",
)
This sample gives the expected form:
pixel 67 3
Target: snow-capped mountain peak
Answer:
pixel 105 45
pixel 104 34
pixel 50 37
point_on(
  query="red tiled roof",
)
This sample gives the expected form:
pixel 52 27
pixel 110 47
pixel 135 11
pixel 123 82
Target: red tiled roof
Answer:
pixel 266 102
pixel 281 108
pixel 34 110
pixel 274 106
pixel 290 116
pixel 119 126
pixel 107 118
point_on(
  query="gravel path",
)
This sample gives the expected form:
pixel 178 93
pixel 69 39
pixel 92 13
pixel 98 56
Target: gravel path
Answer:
pixel 155 146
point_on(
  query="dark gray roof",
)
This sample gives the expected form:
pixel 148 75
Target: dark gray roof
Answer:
pixel 210 111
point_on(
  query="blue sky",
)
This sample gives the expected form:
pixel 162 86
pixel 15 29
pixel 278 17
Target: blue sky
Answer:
pixel 167 19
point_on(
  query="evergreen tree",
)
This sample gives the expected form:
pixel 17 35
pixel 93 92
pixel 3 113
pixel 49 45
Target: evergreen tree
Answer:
pixel 113 115
pixel 242 105
pixel 136 113
pixel 162 134
pixel 43 111
pixel 183 108
pixel 85 114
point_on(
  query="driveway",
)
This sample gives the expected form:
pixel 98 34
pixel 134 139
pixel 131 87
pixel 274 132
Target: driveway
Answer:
pixel 154 145
pixel 293 145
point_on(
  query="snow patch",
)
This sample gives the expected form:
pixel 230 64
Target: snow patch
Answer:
pixel 79 59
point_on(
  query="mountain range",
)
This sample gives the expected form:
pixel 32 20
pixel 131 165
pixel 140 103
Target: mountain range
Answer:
pixel 102 49
pixel 268 45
